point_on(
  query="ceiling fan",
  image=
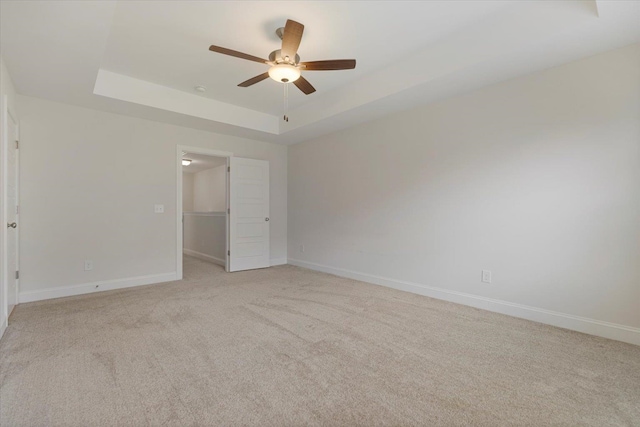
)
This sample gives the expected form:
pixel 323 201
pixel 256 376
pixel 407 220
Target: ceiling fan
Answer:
pixel 285 62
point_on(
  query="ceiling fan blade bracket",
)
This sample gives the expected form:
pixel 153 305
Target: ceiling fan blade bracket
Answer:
pixel 276 57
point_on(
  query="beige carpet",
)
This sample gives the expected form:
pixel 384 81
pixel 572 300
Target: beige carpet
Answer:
pixel 287 346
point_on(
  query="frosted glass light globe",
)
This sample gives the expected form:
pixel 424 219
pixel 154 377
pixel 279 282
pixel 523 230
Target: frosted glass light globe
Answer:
pixel 284 73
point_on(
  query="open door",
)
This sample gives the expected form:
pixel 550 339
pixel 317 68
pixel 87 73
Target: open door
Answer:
pixel 249 214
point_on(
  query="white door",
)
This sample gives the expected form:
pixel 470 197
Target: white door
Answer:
pixel 11 213
pixel 249 214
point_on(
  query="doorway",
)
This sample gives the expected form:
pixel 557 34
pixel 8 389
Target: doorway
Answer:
pixel 204 208
pixel 246 213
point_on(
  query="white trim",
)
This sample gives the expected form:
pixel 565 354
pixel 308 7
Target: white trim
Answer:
pixel 609 330
pixel 3 230
pixel 227 226
pixel 7 113
pixel 3 327
pixel 17 214
pixel 204 213
pixel 179 213
pixel 179 217
pixel 203 150
pixel 204 257
pixel 88 288
pixel 278 261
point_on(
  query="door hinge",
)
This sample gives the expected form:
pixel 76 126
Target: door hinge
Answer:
pixel 17 209
pixel 228 168
pixel 17 275
pixel 228 210
pixel 229 253
pixel 17 145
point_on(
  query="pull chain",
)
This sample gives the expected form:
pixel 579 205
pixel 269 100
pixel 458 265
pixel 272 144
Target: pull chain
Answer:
pixel 286 102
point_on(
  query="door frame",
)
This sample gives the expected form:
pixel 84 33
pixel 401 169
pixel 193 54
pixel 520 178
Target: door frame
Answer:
pixel 179 214
pixel 7 114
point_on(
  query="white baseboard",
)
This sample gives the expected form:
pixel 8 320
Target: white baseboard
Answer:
pixel 3 327
pixel 88 288
pixel 609 330
pixel 204 257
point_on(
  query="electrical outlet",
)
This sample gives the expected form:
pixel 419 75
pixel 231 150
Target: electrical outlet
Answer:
pixel 88 265
pixel 158 209
pixel 486 276
pixel 301 248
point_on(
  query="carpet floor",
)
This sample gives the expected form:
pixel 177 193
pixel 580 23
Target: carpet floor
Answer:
pixel 287 346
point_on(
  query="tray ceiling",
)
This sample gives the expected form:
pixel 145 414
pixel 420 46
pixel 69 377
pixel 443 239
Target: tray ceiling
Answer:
pixel 145 58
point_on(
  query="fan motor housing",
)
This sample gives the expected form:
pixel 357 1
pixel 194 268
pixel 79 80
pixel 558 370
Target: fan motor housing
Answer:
pixel 276 57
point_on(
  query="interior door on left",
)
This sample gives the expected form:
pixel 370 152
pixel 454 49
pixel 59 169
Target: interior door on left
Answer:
pixel 11 212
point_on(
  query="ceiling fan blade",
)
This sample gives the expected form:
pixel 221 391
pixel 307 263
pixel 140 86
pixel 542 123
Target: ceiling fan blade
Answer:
pixel 331 64
pixel 225 51
pixel 291 38
pixel 254 80
pixel 304 85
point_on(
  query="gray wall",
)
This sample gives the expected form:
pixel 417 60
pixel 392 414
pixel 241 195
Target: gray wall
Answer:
pixel 536 179
pixel 89 182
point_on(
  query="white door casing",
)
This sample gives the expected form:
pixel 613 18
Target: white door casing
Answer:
pixel 11 216
pixel 249 214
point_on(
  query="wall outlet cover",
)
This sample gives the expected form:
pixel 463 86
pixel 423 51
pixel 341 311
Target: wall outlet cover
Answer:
pixel 486 276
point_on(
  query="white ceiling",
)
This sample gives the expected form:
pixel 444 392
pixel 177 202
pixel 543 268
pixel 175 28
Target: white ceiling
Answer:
pixel 200 162
pixel 170 46
pixel 143 58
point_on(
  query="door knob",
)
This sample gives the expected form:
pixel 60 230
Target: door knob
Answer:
pixel 266 219
pixel 11 225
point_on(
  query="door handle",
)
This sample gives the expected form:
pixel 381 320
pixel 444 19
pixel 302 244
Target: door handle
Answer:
pixel 11 225
pixel 266 219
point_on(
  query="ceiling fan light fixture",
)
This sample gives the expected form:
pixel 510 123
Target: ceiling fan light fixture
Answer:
pixel 285 62
pixel 284 73
pixel 186 162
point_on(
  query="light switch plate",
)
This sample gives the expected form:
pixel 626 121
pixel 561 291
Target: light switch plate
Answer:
pixel 158 208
